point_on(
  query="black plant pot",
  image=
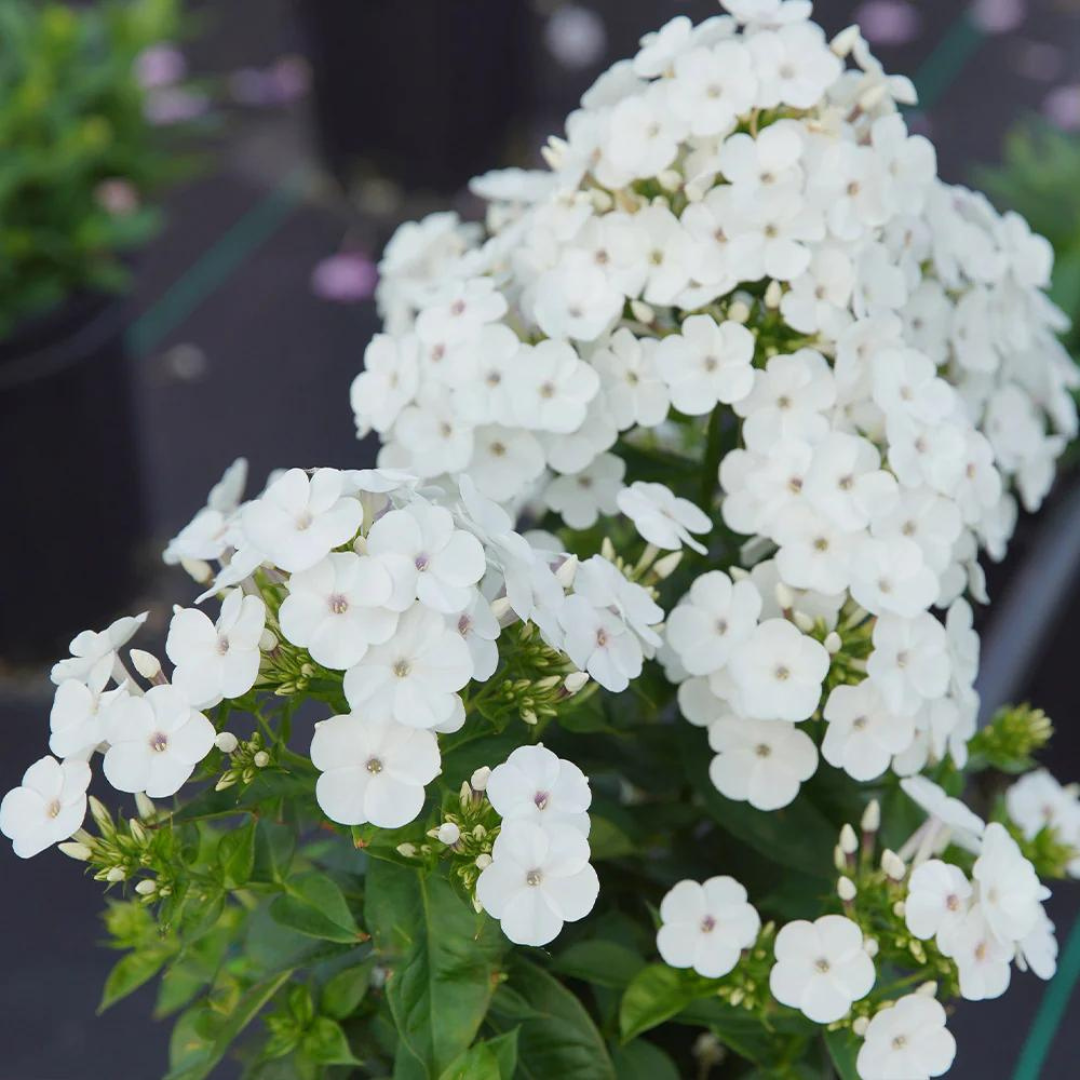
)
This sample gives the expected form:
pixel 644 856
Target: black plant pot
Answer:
pixel 422 91
pixel 69 478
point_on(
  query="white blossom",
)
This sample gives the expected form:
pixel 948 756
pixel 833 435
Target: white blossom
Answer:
pixel 47 807
pixel 533 784
pixel 907 1040
pixel 762 762
pixel 706 926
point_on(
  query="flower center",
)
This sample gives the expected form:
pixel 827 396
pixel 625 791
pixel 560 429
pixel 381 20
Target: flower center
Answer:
pixel 952 902
pixel 763 750
pixel 159 742
pixel 54 808
pixel 547 390
pixel 859 723
pixel 223 645
pixel 421 562
pixel 822 965
pixel 899 1042
pixel 338 604
pixel 601 638
pixel 541 799
pixel 304 521
pixel 708 924
pixel 401 668
pixel 533 878
pixel 498 449
pixel 782 673
pixel 721 627
pixel 457 307
pixel 464 625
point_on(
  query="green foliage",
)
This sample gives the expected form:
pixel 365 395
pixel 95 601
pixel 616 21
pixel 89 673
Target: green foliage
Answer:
pixel 1011 739
pixel 71 120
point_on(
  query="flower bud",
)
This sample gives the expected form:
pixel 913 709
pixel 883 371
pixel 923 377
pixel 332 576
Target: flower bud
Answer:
pixel 845 889
pixel 146 664
pixel 670 180
pixel 449 834
pixel 145 805
pixel 226 742
pixel 261 759
pixel 529 717
pixel 871 819
pixel 478 780
pixel 607 549
pixel 860 1024
pixel 839 859
pixel 871 947
pixel 567 571
pixel 408 851
pixel 137 831
pixel 483 861
pixel 575 681
pixel 99 813
pixel 849 842
pixel 198 570
pixel 665 567
pixel 146 887
pixel 845 41
pixel 802 621
pixel 927 989
pixel 833 643
pixel 774 293
pixel 893 865
pixel 738 311
pixel 268 641
pixel 642 312
pixel 115 874
pixel 79 852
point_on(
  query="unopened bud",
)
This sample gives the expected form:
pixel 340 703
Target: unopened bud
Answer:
pixel 479 832
pixel 738 311
pixel 261 759
pixel 529 717
pixel 198 570
pixel 860 1024
pixel 268 641
pixel 77 851
pixel 575 681
pixel 115 874
pixel 548 682
pixel 845 889
pixel 607 549
pixel 479 779
pixel 784 596
pixel 845 41
pixel 226 742
pixel 871 947
pixel 670 180
pixel 664 567
pixel 899 909
pixel 407 851
pixel 146 887
pixel 839 859
pixel 146 664
pixel 601 200
pixel 137 831
pixel 567 572
pixel 871 819
pixel 449 833
pixel 873 97
pixel 833 643
pixel 145 805
pixel 465 794
pixel 99 813
pixel 553 153
pixel 642 312
pixel 849 842
pixel 774 293
pixel 501 608
pixel 927 989
pixel 802 621
pixel 893 865
pixel 483 861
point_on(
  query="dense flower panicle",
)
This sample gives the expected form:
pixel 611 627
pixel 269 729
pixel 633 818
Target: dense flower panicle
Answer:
pixel 811 385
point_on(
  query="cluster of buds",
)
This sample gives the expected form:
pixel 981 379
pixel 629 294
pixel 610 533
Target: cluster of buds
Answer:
pixel 245 759
pixel 465 835
pixel 1011 739
pixel 538 680
pixel 126 849
pixel 872 889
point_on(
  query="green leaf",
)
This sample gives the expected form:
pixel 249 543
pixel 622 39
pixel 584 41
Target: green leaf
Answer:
pixel 477 1063
pixel 843 1049
pixel 325 1043
pixel 608 841
pixel 656 994
pixel 236 855
pixel 274 846
pixel 444 974
pixel 602 963
pixel 343 992
pixel 314 905
pixel 557 1039
pixel 798 837
pixel 641 1060
pixel 204 1059
pixel 134 970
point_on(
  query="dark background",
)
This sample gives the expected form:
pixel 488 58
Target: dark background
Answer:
pixel 232 353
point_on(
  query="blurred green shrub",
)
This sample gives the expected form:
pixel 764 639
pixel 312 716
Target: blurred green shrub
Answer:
pixel 78 154
pixel 1040 178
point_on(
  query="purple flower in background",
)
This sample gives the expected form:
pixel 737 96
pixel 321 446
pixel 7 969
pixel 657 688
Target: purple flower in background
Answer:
pixel 576 36
pixel 286 80
pixel 888 22
pixel 1038 60
pixel 117 196
pixel 160 65
pixel 174 105
pixel 345 278
pixel 998 16
pixel 1062 107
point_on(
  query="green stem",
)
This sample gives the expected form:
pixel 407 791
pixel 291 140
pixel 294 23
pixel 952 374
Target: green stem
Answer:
pixel 714 449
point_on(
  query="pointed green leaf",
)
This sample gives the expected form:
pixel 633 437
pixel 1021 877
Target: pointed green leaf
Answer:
pixel 314 905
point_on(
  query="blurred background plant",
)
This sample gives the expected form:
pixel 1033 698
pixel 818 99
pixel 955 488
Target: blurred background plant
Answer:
pixel 90 106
